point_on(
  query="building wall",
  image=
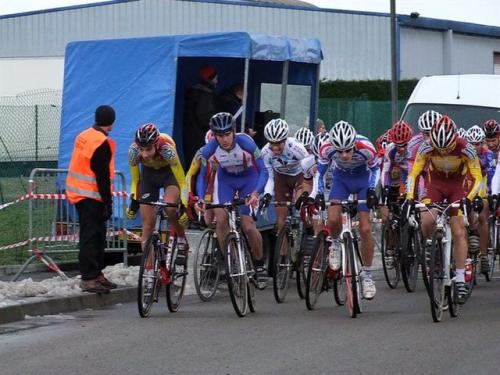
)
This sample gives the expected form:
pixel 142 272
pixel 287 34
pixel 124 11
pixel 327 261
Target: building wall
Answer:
pixel 421 53
pixel 474 54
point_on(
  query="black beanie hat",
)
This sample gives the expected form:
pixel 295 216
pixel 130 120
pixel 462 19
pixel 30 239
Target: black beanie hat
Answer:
pixel 104 115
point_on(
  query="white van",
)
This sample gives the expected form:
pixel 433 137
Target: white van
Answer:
pixel 469 99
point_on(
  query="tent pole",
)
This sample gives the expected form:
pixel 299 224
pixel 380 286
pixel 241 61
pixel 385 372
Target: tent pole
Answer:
pixel 284 83
pixel 245 95
pixel 312 121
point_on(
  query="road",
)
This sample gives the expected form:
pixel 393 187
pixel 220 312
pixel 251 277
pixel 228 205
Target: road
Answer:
pixel 394 335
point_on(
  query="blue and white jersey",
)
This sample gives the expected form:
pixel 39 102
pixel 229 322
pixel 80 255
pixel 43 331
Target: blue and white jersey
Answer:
pixel 364 160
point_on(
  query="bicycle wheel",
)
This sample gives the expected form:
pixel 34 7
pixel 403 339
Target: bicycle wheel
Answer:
pixel 251 281
pixel 409 263
pixel 236 275
pixel 437 291
pixel 282 267
pixel 339 289
pixel 351 277
pixel 492 251
pixel 149 278
pixel 390 263
pixel 317 268
pixel 206 266
pixel 178 275
pixel 302 264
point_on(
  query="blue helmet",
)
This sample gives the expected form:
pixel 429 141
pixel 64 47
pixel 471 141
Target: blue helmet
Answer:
pixel 222 122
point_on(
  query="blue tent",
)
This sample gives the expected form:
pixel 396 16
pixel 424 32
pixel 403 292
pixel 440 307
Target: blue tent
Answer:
pixel 140 78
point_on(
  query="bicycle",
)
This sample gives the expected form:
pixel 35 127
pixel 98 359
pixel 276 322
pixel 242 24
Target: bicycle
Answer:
pixel 441 283
pixel 390 245
pixel 159 267
pixel 346 280
pixel 240 271
pixel 493 242
pixel 207 264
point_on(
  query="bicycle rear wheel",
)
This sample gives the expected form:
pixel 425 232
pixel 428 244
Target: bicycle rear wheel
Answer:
pixel 206 266
pixel 390 259
pixel 437 292
pixel 317 268
pixel 178 275
pixel 351 277
pixel 236 275
pixel 409 262
pixel 282 266
pixel 339 289
pixel 149 278
pixel 492 248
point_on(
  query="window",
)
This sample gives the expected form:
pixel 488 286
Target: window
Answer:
pixel 496 62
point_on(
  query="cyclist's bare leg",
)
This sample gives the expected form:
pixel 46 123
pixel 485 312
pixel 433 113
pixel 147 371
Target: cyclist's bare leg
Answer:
pixel 483 228
pixel 209 217
pixel 254 237
pixel 367 243
pixel 280 218
pixel 335 220
pixel 221 224
pixel 384 212
pixel 172 195
pixel 428 223
pixel 148 217
pixel 459 241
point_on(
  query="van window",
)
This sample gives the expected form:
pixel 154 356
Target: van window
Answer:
pixel 464 116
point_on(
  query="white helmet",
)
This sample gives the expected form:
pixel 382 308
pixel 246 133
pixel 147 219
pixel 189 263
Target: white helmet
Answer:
pixel 343 135
pixel 462 133
pixel 427 119
pixel 276 130
pixel 475 135
pixel 304 136
pixel 319 140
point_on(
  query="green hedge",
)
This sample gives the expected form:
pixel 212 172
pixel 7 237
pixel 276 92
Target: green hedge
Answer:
pixel 378 90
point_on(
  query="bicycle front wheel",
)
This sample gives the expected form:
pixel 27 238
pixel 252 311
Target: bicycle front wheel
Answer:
pixel 437 292
pixel 351 277
pixel 492 249
pixel 149 278
pixel 390 260
pixel 236 274
pixel 178 275
pixel 302 263
pixel 282 266
pixel 409 262
pixel 206 266
pixel 317 268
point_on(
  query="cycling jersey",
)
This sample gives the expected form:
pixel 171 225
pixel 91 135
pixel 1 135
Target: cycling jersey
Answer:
pixel 364 161
pixel 495 180
pixel 241 168
pixel 287 163
pixel 165 157
pixel 487 162
pixel 449 169
pixel 413 146
pixel 395 168
pixel 192 176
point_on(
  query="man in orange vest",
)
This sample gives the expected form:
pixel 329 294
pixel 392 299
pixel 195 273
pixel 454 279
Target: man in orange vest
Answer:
pixel 89 187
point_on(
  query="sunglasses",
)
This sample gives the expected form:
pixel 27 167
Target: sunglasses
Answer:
pixel 346 151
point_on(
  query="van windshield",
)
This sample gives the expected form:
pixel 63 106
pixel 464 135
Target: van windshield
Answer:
pixel 464 116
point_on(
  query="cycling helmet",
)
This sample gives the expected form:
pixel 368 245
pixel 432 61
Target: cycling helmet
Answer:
pixel 382 142
pixel 443 132
pixel 343 135
pixel 491 128
pixel 475 135
pixel 427 120
pixel 318 141
pixel 462 133
pixel 146 135
pixel 222 123
pixel 304 136
pixel 401 133
pixel 276 130
pixel 209 135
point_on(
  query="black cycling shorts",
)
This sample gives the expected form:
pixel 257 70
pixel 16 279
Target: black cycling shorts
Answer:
pixel 152 180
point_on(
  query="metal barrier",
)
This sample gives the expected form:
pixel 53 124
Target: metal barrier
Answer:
pixel 53 222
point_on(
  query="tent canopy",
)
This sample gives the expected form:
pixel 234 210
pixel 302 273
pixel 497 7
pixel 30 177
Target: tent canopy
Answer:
pixel 139 77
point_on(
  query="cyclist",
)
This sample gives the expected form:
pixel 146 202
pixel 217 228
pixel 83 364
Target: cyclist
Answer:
pixel 475 136
pixel 381 143
pixel 396 165
pixel 240 169
pixel 282 156
pixel 154 165
pixel 492 131
pixel 305 136
pixel 356 170
pixel 448 157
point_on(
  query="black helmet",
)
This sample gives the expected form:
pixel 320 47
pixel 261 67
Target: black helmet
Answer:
pixel 222 122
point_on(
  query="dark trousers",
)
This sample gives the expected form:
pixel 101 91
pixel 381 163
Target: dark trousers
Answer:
pixel 92 238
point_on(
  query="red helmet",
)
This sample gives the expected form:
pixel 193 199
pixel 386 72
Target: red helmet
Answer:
pixel 443 132
pixel 401 133
pixel 147 134
pixel 382 142
pixel 491 128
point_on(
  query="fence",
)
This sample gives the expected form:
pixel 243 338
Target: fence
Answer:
pixel 371 118
pixel 52 222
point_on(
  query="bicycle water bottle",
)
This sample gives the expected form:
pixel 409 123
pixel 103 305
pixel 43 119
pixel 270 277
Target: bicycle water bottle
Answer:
pixel 468 270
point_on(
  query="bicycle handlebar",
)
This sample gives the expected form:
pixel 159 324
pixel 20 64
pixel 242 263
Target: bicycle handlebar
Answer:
pixel 161 204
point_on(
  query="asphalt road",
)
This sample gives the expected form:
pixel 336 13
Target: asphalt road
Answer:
pixel 395 334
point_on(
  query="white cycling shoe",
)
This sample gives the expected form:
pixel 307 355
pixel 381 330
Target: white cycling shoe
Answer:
pixel 368 287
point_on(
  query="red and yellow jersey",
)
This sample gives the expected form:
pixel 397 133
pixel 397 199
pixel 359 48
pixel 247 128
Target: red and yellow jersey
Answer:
pixel 451 166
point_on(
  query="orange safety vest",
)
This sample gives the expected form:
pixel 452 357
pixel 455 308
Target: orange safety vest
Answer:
pixel 81 182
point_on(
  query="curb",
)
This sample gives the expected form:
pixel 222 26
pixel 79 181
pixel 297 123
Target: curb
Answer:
pixel 55 306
